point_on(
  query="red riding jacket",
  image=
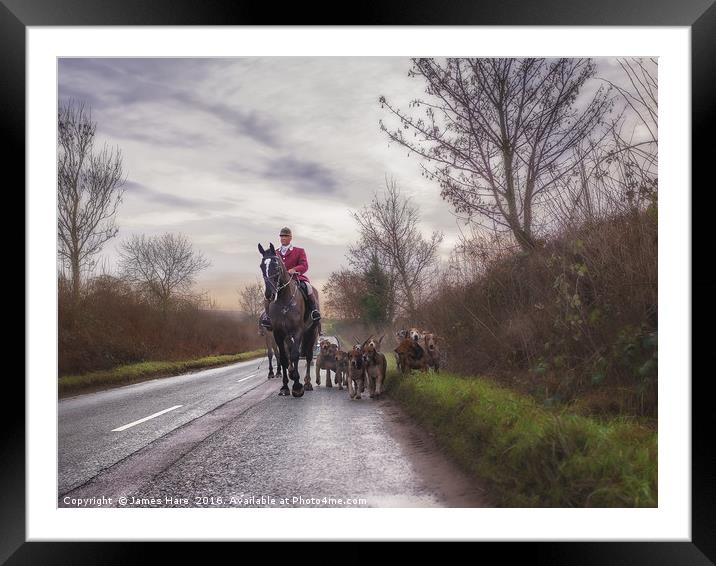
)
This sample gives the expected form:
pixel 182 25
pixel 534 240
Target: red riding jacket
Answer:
pixel 295 257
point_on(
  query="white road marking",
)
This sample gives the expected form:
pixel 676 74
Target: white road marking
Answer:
pixel 245 378
pixel 121 428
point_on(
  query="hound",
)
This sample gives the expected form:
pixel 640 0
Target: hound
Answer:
pixel 414 334
pixel 356 372
pixel 342 363
pixel 376 367
pixel 431 351
pixel 411 356
pixel 326 360
pixel 401 335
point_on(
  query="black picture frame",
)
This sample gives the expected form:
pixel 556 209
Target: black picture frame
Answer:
pixel 699 15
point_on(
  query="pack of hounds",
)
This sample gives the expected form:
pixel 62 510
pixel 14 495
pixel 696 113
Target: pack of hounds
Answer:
pixel 364 365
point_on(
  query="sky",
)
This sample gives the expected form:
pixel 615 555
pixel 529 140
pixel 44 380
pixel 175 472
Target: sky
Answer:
pixel 228 151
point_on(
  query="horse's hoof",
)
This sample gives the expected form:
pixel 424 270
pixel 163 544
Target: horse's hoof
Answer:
pixel 318 381
pixel 308 387
pixel 357 396
pixel 297 392
pixel 328 384
pixel 283 392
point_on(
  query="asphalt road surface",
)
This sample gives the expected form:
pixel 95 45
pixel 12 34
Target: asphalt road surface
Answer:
pixel 224 438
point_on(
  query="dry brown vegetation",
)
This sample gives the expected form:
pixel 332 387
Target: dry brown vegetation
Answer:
pixel 112 323
pixel 573 321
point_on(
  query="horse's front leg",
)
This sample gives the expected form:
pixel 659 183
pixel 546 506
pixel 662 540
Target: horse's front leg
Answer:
pixel 297 389
pixel 283 365
pixel 307 379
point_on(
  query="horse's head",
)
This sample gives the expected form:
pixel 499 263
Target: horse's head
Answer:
pixel 272 269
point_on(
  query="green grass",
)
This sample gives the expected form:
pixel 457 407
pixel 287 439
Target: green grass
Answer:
pixel 132 373
pixel 527 455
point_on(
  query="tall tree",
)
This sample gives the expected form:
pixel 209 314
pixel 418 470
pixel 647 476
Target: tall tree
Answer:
pixel 389 231
pixel 498 134
pixel 344 291
pixel 89 190
pixel 163 266
pixel 376 303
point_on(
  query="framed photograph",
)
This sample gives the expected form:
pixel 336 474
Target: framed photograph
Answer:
pixel 320 113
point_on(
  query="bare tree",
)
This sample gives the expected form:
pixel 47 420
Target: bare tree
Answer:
pixel 620 175
pixel 163 266
pixel 633 158
pixel 251 299
pixel 641 96
pixel 498 134
pixel 89 190
pixel 390 232
pixel 343 294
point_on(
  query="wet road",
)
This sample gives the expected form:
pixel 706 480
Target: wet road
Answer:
pixel 88 439
pixel 262 450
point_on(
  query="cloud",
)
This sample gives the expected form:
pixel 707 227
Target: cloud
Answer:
pixel 171 82
pixel 306 176
pixel 157 196
pixel 198 206
pixel 250 124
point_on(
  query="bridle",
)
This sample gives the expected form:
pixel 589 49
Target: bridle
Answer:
pixel 276 287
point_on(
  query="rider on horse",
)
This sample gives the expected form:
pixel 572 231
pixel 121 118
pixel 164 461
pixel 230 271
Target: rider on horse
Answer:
pixel 294 258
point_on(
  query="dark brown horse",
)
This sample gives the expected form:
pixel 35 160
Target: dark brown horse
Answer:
pixel 294 331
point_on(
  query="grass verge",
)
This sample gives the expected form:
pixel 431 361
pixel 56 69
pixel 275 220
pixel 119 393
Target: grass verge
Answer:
pixel 142 371
pixel 528 455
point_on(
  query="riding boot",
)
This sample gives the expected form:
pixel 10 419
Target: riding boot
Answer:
pixel 265 320
pixel 315 315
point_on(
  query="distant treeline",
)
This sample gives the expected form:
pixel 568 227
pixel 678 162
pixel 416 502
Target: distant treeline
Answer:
pixel 112 322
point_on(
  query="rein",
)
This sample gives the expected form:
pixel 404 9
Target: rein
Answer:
pixel 278 288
